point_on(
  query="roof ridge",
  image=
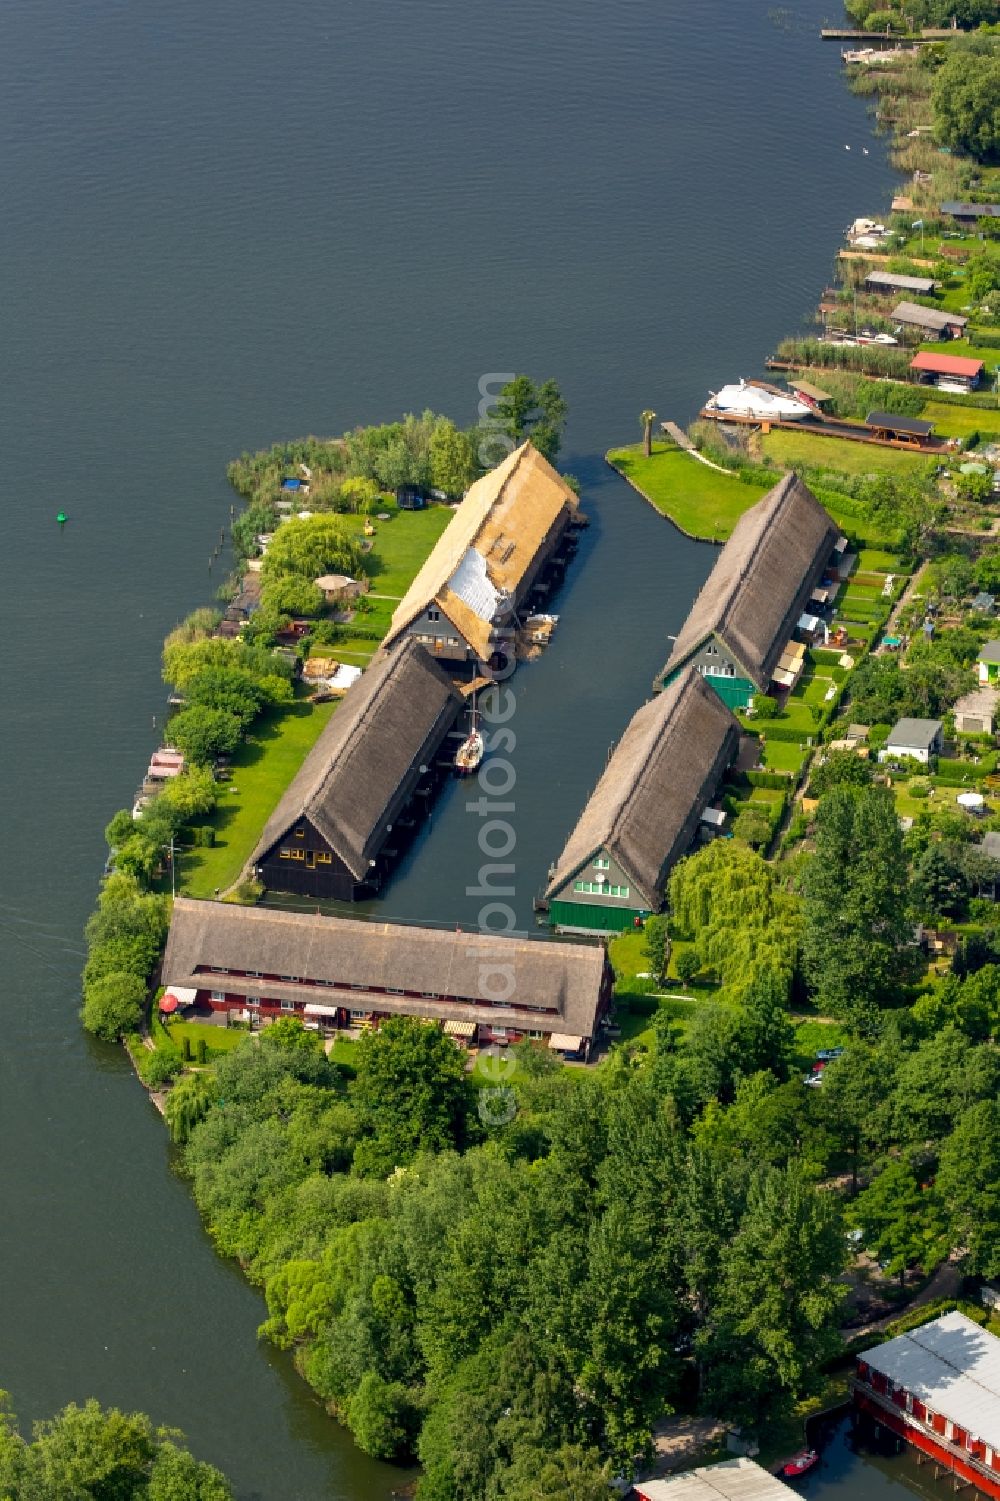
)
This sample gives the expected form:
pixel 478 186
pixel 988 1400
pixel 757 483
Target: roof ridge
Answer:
pixel 687 686
pixel 777 500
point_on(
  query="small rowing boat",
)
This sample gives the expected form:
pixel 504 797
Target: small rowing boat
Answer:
pixel 800 1463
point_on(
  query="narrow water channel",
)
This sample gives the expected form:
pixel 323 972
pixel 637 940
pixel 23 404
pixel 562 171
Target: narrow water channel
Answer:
pixel 232 223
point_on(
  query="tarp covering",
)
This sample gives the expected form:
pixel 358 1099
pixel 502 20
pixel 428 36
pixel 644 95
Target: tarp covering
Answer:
pixel 460 1029
pixel 563 1042
pixel 312 1009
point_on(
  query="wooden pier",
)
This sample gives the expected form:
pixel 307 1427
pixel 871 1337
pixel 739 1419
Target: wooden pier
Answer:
pixel 829 427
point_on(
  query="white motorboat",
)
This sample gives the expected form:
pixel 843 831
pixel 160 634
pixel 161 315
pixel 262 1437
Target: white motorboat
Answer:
pixel 757 402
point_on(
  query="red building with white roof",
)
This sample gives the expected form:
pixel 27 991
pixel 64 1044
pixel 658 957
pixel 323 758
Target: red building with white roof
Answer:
pixel 938 1387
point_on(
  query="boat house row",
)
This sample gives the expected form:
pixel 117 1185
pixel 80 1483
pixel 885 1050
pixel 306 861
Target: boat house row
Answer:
pixel 646 810
pixel 365 784
pixel 501 553
pixel 938 1387
pixel 257 963
pixel 740 628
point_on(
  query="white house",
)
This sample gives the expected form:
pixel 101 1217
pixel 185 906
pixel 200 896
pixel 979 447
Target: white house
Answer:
pixel 920 739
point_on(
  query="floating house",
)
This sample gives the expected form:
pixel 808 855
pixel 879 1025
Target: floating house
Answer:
pixel 888 281
pixel 744 617
pixel 364 785
pixel 644 813
pixel 932 322
pixel 504 547
pixel 258 963
pixel 732 1480
pixel 952 371
pixel 938 1387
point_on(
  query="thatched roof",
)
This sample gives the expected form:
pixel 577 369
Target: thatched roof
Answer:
pixel 365 763
pixel 663 774
pixel 451 973
pixel 763 577
pixel 488 547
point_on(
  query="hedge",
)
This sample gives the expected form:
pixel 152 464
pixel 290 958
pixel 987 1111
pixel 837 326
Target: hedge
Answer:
pixel 956 772
pixel 777 781
pixel 785 733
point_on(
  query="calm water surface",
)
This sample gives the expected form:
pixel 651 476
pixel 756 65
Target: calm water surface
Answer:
pixel 234 223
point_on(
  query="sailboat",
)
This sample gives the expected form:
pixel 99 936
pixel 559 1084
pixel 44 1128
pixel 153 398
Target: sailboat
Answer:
pixel 470 753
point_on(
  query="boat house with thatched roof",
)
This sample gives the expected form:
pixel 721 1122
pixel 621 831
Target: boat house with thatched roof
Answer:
pixel 258 963
pixel 645 811
pixel 503 548
pixel 365 783
pixel 751 602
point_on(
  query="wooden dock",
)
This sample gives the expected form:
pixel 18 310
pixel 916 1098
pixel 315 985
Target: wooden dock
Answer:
pixel 678 434
pixel 829 427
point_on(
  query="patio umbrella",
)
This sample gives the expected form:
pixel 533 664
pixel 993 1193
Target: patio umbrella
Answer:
pixel 168 1002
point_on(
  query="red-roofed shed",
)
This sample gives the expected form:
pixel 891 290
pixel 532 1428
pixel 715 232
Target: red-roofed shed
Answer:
pixel 948 369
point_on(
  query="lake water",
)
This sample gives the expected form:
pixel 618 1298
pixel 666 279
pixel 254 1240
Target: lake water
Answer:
pixel 234 223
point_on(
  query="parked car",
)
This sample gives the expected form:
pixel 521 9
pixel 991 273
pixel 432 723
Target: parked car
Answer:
pixel 827 1055
pixel 813 1080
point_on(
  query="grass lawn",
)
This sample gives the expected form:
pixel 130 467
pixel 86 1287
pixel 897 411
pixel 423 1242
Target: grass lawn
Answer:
pixel 783 755
pixel 815 689
pixel 841 454
pixel 958 422
pixel 217 1039
pixel 700 500
pixel 873 560
pixel 261 770
pixel 812 1035
pixel 401 545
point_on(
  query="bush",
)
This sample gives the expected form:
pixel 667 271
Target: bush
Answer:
pixel 158 1067
pixel 113 1004
pixel 764 706
pixel 776 781
pixel 203 836
pixel 202 733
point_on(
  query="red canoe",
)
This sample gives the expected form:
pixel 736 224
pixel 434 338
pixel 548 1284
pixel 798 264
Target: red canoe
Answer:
pixel 800 1463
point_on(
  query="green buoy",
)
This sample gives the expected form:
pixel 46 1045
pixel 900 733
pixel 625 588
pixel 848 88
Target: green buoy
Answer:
pixel 62 518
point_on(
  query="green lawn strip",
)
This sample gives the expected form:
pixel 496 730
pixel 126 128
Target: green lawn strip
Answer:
pixel 842 455
pixel 877 560
pixel 342 1053
pixel 217 1039
pixel 700 500
pixel 261 770
pixel 958 422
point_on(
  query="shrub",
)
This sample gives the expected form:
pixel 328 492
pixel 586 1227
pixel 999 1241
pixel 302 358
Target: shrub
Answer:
pixel 765 707
pixel 112 1004
pixel 158 1067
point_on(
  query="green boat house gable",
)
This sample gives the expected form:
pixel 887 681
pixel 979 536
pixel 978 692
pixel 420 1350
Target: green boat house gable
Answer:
pixel 645 811
pixel 751 603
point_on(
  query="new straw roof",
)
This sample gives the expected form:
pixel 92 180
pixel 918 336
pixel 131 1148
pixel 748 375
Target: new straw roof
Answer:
pixel 664 772
pixel 763 577
pixel 505 518
pixel 367 760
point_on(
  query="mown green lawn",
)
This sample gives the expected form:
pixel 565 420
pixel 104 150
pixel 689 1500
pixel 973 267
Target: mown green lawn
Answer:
pixel 874 560
pixel 217 1039
pixel 958 422
pixel 401 545
pixel 701 501
pixel 783 755
pixel 261 770
pixel 841 454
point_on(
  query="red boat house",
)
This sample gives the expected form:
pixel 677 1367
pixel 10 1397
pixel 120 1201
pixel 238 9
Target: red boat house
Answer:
pixel 938 1387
